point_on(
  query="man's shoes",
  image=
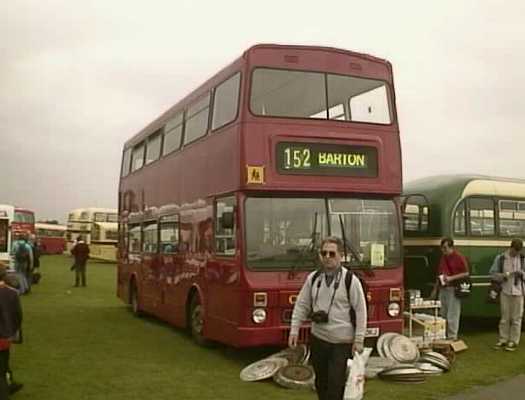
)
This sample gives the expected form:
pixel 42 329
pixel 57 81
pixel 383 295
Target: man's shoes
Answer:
pixel 15 387
pixel 511 346
pixel 500 345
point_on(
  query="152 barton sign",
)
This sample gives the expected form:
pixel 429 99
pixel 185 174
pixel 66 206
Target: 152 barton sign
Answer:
pixel 326 159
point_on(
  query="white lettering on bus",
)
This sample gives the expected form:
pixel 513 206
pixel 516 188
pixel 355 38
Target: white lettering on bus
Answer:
pixel 341 160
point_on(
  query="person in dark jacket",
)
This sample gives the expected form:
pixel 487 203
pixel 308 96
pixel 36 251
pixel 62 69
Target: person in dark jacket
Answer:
pixel 10 324
pixel 81 253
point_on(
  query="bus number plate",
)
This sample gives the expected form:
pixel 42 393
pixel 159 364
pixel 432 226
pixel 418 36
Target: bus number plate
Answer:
pixel 372 332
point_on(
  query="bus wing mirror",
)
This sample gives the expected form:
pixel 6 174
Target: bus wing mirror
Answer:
pixel 227 220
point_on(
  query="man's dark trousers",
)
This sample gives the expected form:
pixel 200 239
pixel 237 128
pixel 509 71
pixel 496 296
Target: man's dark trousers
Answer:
pixel 329 362
pixel 4 363
pixel 80 274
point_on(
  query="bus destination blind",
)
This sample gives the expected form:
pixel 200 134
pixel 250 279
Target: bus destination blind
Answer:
pixel 326 159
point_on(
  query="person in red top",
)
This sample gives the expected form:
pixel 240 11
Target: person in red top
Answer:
pixel 81 253
pixel 452 267
pixel 10 323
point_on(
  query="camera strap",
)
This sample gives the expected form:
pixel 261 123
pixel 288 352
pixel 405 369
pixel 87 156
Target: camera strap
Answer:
pixel 336 286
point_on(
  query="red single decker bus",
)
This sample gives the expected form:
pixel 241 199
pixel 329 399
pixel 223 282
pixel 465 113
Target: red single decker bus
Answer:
pixel 52 238
pixel 224 199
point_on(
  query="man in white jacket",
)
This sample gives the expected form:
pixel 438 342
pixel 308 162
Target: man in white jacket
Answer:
pixel 509 269
pixel 325 299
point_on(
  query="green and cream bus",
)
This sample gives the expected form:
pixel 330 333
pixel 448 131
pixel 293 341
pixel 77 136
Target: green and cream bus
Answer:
pixel 482 214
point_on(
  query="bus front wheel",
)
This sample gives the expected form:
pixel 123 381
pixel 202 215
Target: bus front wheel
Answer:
pixel 197 321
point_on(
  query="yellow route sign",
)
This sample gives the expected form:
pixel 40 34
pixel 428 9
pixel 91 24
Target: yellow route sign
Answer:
pixel 255 174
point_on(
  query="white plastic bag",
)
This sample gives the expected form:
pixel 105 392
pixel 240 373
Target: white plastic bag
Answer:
pixel 355 384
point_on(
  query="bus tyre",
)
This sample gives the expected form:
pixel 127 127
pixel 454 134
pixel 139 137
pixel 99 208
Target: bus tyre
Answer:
pixel 134 300
pixel 196 319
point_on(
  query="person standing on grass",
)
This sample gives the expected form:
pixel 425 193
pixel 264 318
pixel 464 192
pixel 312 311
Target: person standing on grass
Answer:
pixel 509 269
pixel 81 253
pixel 452 267
pixel 10 325
pixel 326 299
pixel 23 256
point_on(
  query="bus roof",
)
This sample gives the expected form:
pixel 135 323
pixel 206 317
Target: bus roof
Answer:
pixel 93 210
pixel 55 227
pixel 13 208
pixel 225 72
pixel 460 186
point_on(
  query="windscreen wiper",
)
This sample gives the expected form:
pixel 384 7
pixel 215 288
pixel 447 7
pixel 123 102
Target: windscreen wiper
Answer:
pixel 310 249
pixel 348 245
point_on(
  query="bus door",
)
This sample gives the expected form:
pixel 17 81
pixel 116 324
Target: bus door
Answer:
pixel 223 271
pixel 170 270
pixel 419 265
pixel 151 293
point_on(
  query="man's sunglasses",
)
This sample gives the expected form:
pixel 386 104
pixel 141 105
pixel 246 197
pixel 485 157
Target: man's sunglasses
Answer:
pixel 330 254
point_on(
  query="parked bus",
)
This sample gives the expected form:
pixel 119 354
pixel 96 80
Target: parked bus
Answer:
pixel 224 198
pixel 13 221
pixel 80 223
pixel 52 237
pixel 482 214
pixel 104 237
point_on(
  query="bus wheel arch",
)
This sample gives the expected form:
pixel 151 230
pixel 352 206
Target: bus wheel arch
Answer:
pixel 195 316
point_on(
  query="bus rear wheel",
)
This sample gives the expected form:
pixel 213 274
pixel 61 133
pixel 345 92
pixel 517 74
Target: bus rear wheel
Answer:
pixel 134 300
pixel 196 319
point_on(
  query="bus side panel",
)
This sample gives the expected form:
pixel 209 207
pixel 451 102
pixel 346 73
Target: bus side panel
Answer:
pixel 480 259
pixel 174 289
pixel 223 276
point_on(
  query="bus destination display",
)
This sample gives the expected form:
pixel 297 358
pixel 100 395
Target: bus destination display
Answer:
pixel 326 159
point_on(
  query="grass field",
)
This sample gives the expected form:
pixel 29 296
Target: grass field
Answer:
pixel 83 343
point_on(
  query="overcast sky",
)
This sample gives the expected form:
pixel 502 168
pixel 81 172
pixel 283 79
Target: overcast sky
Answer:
pixel 78 78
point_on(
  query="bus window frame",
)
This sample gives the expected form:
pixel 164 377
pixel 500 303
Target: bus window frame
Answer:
pixel 239 92
pixel 136 146
pixel 162 220
pixel 182 125
pixel 495 233
pixel 126 169
pixel 131 227
pixel 209 94
pixel 420 215
pixel 390 93
pixel 158 134
pixel 145 227
pixel 217 199
pixel 462 201
pixel 498 201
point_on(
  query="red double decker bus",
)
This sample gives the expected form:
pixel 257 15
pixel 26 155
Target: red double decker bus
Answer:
pixel 223 199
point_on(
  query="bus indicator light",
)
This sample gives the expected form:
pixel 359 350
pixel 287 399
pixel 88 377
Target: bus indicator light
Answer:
pixel 395 294
pixel 260 299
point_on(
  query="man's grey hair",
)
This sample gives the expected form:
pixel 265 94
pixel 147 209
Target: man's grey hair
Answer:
pixel 335 240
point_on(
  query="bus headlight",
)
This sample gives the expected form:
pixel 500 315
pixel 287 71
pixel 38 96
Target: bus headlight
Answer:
pixel 259 315
pixel 394 309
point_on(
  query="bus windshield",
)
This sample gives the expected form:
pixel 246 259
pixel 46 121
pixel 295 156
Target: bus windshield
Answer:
pixel 285 233
pixel 301 94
